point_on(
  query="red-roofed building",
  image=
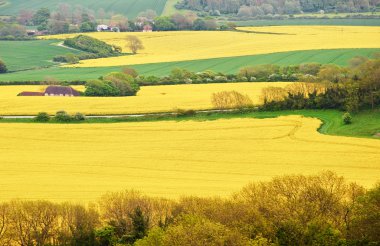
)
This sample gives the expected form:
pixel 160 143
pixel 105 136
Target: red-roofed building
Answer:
pixel 148 28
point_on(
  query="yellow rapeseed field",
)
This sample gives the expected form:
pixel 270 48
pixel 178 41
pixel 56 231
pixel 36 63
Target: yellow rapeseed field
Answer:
pixel 205 158
pixel 149 99
pixel 193 45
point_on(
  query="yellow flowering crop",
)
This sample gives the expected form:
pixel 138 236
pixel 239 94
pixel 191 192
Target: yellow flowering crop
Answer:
pixel 149 99
pixel 193 45
pixel 79 162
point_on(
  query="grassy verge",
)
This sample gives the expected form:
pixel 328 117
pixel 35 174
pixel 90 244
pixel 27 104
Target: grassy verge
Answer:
pixel 365 124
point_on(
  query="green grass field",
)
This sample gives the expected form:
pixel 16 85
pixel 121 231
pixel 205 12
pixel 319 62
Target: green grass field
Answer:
pixel 226 65
pixel 22 55
pixel 321 22
pixel 130 8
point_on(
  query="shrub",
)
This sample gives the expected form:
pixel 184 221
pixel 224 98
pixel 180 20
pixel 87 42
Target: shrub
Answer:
pixel 100 88
pixel 347 119
pixel 3 67
pixel 92 45
pixel 42 117
pixel 62 116
pixel 69 58
pixel 230 100
pixel 185 112
pixel 79 117
pixel 112 85
pixel 125 83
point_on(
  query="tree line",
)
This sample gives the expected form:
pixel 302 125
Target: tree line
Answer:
pixel 73 19
pixel 346 88
pixel 251 8
pixel 320 209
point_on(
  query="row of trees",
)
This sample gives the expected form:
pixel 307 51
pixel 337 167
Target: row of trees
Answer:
pixel 351 89
pixel 290 210
pixel 63 20
pixel 249 8
pixel 66 19
pixel 310 72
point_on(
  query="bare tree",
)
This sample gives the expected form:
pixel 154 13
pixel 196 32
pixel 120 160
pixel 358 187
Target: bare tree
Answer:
pixel 134 43
pixel 230 99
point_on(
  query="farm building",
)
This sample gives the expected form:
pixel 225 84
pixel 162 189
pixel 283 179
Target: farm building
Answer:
pixel 56 90
pixel 105 28
pixel 147 28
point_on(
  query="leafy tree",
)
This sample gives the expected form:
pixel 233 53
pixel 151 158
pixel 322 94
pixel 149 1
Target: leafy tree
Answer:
pixel 87 27
pixel 106 236
pixel 100 88
pixel 41 17
pixel 124 83
pixel 155 237
pixel 140 225
pixel 198 231
pixel 365 222
pixel 164 23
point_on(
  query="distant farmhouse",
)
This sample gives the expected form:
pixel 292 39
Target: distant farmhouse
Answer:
pixel 106 28
pixel 147 28
pixel 54 90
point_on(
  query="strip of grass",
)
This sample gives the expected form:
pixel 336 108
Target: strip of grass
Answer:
pixel 225 65
pixel 364 124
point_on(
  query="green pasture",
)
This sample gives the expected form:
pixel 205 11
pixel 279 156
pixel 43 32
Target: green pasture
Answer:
pixel 23 55
pixel 225 65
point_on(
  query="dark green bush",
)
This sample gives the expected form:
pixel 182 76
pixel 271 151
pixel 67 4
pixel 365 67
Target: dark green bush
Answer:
pixel 68 58
pixel 185 112
pixel 3 67
pixel 100 88
pixel 92 45
pixel 79 117
pixel 62 116
pixel 347 118
pixel 42 117
pixel 112 85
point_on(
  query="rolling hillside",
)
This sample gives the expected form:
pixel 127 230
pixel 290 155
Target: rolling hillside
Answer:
pixel 129 8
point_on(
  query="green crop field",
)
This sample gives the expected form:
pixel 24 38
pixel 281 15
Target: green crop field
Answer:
pixel 321 22
pixel 23 55
pixel 130 8
pixel 225 65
